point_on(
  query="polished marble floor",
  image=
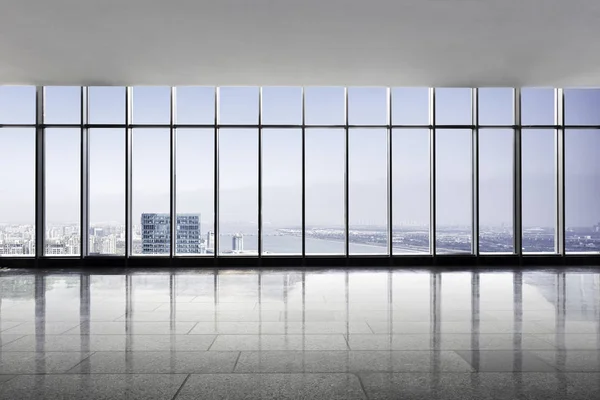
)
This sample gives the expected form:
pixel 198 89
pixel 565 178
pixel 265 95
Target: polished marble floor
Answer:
pixel 302 334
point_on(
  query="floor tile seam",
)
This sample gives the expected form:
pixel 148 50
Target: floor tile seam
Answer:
pixel 236 361
pixel 12 341
pixel 80 362
pixel 193 327
pixel 181 387
pixel 213 342
pixel 116 319
pixel 67 330
pixel 360 383
pixel 19 323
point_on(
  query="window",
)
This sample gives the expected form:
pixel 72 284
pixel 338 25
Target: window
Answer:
pixel 62 191
pixel 538 190
pixel 238 105
pixel 410 106
pixel 582 190
pixel 107 105
pixel 17 192
pixel 496 106
pixel 151 105
pixel 281 106
pixel 62 105
pixel 195 105
pixel 453 106
pixel 17 104
pixel 150 189
pixel 324 185
pixel 453 191
pixel 325 105
pixel 282 191
pixel 367 191
pixel 537 106
pixel 107 192
pixel 195 191
pixel 410 191
pixel 496 201
pixel 238 179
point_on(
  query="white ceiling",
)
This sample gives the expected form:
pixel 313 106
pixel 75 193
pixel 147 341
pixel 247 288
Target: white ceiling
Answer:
pixel 301 42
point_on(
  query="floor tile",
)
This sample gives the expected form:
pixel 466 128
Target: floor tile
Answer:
pixel 582 386
pixel 39 363
pixel 505 361
pixel 4 325
pixel 352 361
pixel 7 338
pixel 49 328
pixel 279 342
pixel 92 387
pixel 272 386
pixel 112 343
pixel 158 362
pixel 574 341
pixel 6 378
pixel 281 328
pixel 136 328
pixel 462 386
pixel 571 360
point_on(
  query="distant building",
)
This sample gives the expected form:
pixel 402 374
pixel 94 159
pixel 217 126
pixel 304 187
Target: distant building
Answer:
pixel 156 233
pixel 237 243
pixel 210 241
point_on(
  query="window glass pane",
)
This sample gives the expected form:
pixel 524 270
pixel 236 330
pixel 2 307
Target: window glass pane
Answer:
pixel 496 106
pixel 367 106
pixel 195 191
pixel 410 106
pixel 325 170
pixel 582 106
pixel 537 106
pixel 453 191
pixel 238 191
pixel 410 190
pixel 17 104
pixel 151 105
pixel 62 191
pixel 107 105
pixel 496 190
pixel 582 190
pixel 538 190
pixel 281 105
pixel 324 105
pixel 195 105
pixel 238 105
pixel 107 192
pixel 62 105
pixel 453 106
pixel 17 191
pixel 368 171
pixel 282 191
pixel 151 191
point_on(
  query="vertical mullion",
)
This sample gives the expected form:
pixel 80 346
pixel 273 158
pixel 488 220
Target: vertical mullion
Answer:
pixel 85 175
pixel 560 171
pixel 432 173
pixel 390 229
pixel 303 173
pixel 346 178
pixel 216 178
pixel 40 181
pixel 517 176
pixel 260 237
pixel 475 172
pixel 173 174
pixel 128 172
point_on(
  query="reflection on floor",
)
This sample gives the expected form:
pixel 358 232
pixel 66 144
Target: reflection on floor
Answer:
pixel 340 334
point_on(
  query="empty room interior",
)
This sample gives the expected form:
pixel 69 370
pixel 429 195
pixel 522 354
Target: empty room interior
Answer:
pixel 333 199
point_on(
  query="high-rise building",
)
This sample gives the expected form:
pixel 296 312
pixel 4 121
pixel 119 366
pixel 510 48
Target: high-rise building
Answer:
pixel 156 233
pixel 237 243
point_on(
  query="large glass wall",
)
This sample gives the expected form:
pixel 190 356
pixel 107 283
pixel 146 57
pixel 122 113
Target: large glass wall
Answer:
pixel 286 170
